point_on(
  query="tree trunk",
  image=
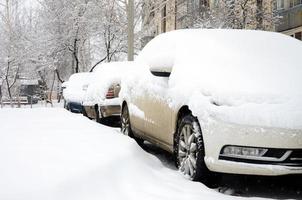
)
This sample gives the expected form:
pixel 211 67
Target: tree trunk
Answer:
pixel 7 84
pixel 58 76
pixel 52 85
pixel 130 28
pixel 92 68
pixel 75 54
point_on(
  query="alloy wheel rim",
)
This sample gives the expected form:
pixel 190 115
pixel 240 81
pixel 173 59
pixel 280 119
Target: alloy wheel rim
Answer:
pixel 187 151
pixel 125 122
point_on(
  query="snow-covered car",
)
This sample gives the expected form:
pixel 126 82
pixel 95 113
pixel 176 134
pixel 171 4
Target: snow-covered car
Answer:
pixel 102 96
pixel 74 91
pixel 227 101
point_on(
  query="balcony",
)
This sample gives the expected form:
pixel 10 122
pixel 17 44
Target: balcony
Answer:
pixel 291 18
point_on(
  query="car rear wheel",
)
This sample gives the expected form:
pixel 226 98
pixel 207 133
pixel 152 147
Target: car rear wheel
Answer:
pixel 65 104
pixel 68 107
pixel 84 112
pixel 97 114
pixel 189 152
pixel 125 122
pixel 126 125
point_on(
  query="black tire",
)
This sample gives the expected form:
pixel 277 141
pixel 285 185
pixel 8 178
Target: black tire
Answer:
pixel 68 107
pixel 126 125
pixel 65 104
pixel 189 152
pixel 98 119
pixel 84 112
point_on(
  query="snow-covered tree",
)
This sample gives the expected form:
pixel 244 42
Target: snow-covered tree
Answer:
pixel 14 43
pixel 78 34
pixel 238 14
pixel 55 38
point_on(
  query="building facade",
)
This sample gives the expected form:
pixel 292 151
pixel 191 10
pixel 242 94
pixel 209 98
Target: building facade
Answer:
pixel 291 21
pixel 160 16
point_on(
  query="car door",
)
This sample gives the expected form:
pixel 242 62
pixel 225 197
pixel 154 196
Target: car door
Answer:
pixel 158 113
pixel 158 58
pixel 137 91
pixel 137 114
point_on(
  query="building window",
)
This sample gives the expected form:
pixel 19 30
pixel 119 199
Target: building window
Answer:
pixel 294 3
pixel 280 4
pixel 204 3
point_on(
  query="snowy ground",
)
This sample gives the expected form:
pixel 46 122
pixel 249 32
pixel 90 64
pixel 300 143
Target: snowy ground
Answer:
pixel 51 154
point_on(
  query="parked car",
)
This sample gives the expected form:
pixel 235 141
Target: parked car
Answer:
pixel 102 97
pixel 221 101
pixel 74 91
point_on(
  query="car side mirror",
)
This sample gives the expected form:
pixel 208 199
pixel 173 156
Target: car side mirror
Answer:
pixel 161 71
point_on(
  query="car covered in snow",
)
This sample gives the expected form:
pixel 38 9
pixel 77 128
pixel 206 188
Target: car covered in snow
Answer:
pixel 222 101
pixel 74 90
pixel 101 99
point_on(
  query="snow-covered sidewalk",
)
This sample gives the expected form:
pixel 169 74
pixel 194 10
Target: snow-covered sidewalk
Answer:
pixel 51 154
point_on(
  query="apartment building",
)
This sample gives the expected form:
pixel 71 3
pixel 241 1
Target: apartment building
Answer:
pixel 291 21
pixel 160 16
pixel 165 15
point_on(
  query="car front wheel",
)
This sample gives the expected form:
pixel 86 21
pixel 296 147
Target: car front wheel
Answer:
pixel 189 152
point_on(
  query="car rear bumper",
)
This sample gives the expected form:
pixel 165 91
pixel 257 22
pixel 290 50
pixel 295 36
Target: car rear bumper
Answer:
pixel 75 107
pixel 283 149
pixel 90 112
pixel 110 110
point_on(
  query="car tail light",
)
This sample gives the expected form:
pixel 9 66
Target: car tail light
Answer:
pixel 110 93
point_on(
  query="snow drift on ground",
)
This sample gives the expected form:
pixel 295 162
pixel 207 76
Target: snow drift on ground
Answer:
pixel 238 76
pixel 51 154
pixel 75 87
pixel 102 79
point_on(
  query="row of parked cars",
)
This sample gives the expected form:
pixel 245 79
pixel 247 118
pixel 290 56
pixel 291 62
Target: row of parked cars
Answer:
pixel 220 101
pixel 96 93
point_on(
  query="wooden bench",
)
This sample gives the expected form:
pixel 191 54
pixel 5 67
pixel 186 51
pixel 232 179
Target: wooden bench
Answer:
pixel 15 101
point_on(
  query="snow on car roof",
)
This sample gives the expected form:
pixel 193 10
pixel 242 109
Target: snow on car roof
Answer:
pixel 74 91
pixel 243 60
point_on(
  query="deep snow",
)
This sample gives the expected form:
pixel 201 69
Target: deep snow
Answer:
pixel 49 153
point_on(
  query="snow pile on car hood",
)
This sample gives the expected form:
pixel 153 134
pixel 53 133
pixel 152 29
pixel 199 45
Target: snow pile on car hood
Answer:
pixel 103 78
pixel 75 87
pixel 238 76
